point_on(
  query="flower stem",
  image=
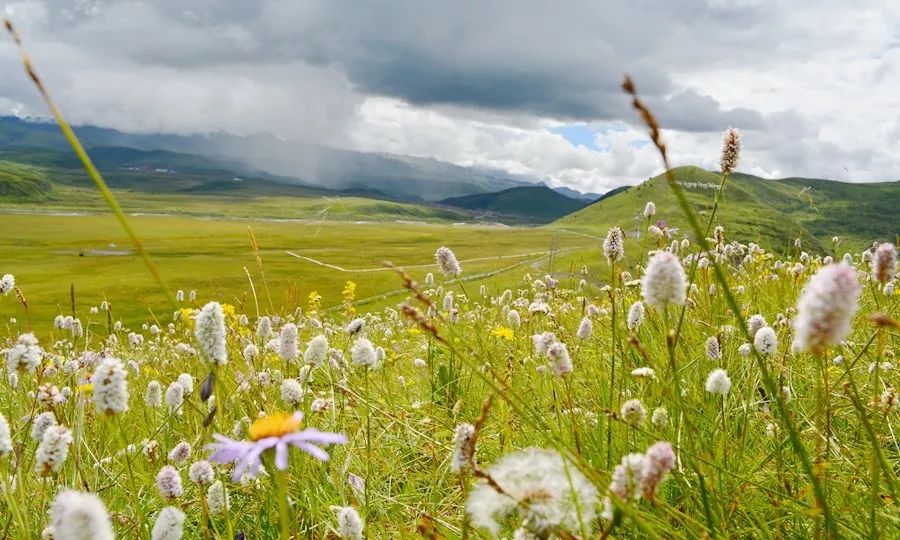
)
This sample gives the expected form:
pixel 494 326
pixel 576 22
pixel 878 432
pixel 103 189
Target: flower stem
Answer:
pixel 284 512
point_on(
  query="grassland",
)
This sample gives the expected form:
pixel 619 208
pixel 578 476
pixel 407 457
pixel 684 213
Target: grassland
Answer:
pixel 768 212
pixel 48 254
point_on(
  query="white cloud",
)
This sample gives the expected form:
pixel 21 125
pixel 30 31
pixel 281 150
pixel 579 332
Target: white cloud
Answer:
pixel 813 83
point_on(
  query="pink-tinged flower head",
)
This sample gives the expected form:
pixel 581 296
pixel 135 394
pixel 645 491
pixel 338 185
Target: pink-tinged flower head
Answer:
pixel 446 261
pixel 731 150
pixel 614 245
pixel 884 263
pixel 664 281
pixel 826 306
pixel 276 432
pixel 658 461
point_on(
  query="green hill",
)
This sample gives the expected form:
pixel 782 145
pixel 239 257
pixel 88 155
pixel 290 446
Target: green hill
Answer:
pixel 770 212
pixel 537 204
pixel 22 183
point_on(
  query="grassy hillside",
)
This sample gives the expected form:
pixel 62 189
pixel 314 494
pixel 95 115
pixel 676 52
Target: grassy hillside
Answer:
pixel 770 212
pixel 539 204
pixel 20 182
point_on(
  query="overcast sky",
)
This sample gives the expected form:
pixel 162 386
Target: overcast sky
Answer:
pixel 531 87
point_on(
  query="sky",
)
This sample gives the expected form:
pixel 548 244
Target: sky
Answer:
pixel 525 86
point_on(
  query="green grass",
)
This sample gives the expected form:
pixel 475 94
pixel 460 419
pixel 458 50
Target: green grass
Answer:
pixel 538 204
pixel 736 480
pixel 20 182
pixel 209 254
pixel 769 212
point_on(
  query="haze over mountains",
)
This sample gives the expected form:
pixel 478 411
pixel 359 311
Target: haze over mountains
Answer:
pixel 384 175
pixel 34 157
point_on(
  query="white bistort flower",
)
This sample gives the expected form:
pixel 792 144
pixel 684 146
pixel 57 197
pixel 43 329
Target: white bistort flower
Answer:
pixel 110 386
pixel 664 281
pixel 53 450
pixel 201 473
pixel 718 382
pixel 560 363
pixel 826 307
pixel 5 438
pixel 287 343
pixel 556 494
pixel 614 245
pixel 585 328
pixel 79 516
pixel 7 284
pixel 754 323
pixel 169 524
pixel 884 263
pixel 26 353
pixel 175 397
pixel 217 498
pixel 168 480
pixel 765 341
pixel 446 261
pixel 363 353
pixel 459 459
pixel 291 392
pixel 635 316
pixel 633 412
pixel 349 524
pixel 40 425
pixel 209 330
pixel 713 351
pixel 316 350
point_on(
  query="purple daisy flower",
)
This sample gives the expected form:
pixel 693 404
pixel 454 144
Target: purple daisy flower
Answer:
pixel 277 432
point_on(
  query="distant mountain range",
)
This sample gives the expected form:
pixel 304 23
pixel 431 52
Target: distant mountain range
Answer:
pixel 34 158
pixel 380 175
pixel 539 204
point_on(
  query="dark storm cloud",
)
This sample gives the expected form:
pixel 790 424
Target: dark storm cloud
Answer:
pixel 538 59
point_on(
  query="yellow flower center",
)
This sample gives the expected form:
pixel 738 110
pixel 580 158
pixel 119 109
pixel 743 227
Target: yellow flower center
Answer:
pixel 274 425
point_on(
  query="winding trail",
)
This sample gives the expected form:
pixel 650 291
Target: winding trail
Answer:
pixel 478 259
pixel 537 256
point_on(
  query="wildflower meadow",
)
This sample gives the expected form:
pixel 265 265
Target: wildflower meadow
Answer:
pixel 700 388
pixel 686 383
